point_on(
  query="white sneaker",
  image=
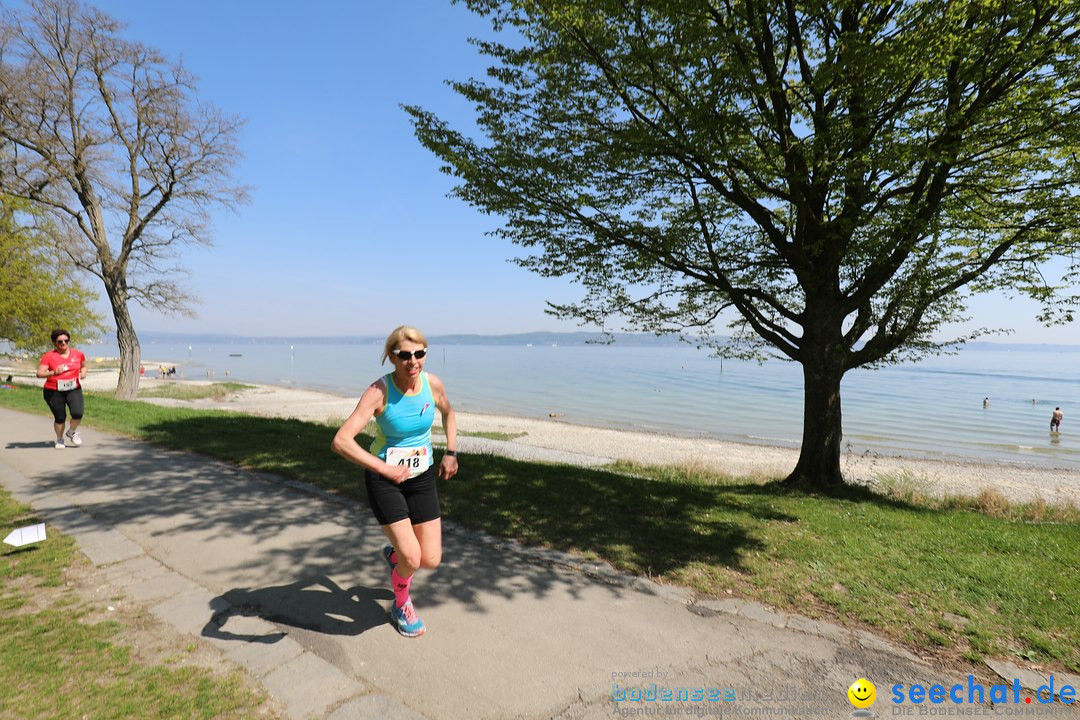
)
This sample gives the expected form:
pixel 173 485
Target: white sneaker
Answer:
pixel 59 444
pixel 73 436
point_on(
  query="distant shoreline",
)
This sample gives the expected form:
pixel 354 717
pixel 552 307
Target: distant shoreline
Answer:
pixel 149 338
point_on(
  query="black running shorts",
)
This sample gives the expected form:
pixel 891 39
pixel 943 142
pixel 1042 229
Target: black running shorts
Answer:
pixel 416 499
pixel 59 401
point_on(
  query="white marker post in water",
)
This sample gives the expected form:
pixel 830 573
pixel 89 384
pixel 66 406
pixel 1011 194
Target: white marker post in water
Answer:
pixel 26 535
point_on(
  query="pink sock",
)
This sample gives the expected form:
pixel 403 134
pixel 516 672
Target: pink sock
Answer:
pixel 401 587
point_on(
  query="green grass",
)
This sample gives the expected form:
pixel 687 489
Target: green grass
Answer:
pixel 489 434
pixel 492 435
pixel 894 563
pixel 58 663
pixel 188 391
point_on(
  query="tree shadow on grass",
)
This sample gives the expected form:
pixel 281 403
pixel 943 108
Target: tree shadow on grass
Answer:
pixel 291 448
pixel 640 524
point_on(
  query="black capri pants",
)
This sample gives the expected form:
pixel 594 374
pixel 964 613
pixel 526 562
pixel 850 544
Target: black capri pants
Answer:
pixel 416 499
pixel 59 401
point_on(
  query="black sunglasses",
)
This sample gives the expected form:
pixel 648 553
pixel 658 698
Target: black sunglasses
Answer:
pixel 59 341
pixel 406 355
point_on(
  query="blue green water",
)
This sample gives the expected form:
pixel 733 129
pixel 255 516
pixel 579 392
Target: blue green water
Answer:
pixel 931 409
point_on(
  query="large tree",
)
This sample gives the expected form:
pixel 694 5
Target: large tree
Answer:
pixel 108 138
pixel 39 289
pixel 842 175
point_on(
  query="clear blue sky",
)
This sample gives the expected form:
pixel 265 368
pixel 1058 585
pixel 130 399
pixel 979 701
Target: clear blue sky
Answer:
pixel 349 230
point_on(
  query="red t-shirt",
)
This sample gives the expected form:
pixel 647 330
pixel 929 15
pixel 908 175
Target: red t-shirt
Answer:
pixel 52 360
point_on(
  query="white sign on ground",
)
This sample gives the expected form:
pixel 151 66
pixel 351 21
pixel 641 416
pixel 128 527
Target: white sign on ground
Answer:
pixel 26 535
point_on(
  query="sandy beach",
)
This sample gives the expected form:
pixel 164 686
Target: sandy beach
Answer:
pixel 588 445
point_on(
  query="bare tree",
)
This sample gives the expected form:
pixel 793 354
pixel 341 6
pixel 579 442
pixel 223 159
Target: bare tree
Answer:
pixel 107 136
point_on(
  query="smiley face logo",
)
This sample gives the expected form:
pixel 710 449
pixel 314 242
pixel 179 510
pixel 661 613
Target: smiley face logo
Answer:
pixel 862 693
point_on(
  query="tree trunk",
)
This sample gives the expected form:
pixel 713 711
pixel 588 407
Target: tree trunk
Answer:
pixel 819 458
pixel 127 387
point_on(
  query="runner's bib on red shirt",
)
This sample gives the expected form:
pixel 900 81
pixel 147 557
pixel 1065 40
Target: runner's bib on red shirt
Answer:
pixel 69 379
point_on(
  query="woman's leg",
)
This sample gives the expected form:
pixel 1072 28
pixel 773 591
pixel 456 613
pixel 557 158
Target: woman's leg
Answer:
pixel 76 406
pixel 406 546
pixel 55 400
pixel 429 537
pixel 409 557
pixel 414 545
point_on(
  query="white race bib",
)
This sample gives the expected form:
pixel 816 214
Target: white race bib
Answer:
pixel 416 458
pixel 64 385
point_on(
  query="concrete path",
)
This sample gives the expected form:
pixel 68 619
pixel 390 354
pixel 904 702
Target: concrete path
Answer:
pixel 289 583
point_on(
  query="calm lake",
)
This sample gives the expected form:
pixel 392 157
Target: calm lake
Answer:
pixel 931 409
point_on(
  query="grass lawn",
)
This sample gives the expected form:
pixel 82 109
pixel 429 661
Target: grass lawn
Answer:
pixel 897 566
pixel 60 659
pixel 190 391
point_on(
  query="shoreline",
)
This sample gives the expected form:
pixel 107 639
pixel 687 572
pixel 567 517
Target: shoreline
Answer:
pixel 1017 483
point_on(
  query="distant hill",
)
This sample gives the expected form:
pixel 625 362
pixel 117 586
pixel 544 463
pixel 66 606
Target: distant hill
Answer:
pixel 515 339
pixel 561 338
pixel 1029 347
pixel 535 338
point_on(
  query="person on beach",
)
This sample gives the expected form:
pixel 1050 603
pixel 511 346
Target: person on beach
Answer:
pixel 399 468
pixel 1055 420
pixel 64 368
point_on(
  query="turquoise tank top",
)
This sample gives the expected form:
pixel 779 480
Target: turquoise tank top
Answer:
pixel 405 420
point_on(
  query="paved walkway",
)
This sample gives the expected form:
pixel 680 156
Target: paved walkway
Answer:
pixel 290 584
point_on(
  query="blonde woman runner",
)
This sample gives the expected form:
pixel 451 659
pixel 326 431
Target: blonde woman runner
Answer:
pixel 399 466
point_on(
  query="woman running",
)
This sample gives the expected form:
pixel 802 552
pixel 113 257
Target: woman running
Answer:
pixel 399 467
pixel 64 368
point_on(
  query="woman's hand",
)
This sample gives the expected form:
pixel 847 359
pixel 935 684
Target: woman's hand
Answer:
pixel 448 468
pixel 396 473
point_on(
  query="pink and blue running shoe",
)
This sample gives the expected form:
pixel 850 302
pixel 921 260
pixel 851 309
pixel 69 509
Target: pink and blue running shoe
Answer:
pixel 406 620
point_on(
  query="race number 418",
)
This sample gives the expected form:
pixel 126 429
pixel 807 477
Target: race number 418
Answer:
pixel 415 458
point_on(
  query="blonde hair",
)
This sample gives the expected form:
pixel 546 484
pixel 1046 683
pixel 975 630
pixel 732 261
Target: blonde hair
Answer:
pixel 402 332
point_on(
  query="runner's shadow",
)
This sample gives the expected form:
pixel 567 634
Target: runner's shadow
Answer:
pixel 26 445
pixel 317 604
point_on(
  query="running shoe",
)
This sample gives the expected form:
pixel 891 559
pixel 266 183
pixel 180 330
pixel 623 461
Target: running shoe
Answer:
pixel 73 436
pixel 406 620
pixel 59 444
pixel 386 553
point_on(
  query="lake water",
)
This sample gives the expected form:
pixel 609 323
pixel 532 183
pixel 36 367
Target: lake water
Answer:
pixel 931 409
